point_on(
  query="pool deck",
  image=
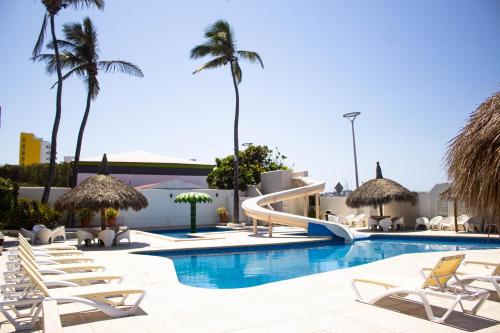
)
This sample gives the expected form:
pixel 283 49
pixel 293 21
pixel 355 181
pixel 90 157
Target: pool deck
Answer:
pixel 316 303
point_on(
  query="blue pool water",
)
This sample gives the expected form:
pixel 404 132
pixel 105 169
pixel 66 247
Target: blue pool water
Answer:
pixel 185 233
pixel 246 267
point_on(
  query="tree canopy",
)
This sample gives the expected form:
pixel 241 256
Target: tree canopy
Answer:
pixel 36 174
pixel 253 161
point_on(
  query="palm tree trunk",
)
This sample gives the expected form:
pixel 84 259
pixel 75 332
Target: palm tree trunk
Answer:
pixel 193 217
pixel 236 197
pixel 55 127
pixel 80 138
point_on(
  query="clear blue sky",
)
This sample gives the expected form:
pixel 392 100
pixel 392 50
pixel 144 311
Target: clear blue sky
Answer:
pixel 414 69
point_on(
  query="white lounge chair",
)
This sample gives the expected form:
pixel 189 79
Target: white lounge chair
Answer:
pixel 350 218
pixel 99 296
pixel 491 274
pixel 343 220
pixel 372 223
pixel 385 224
pixel 436 285
pixel 463 222
pixel 448 223
pixel 435 222
pixel 121 235
pixel 106 236
pixel 422 222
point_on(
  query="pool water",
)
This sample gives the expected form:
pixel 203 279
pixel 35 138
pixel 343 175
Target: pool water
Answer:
pixel 241 267
pixel 186 233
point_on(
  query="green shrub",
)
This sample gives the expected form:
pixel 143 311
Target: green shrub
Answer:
pixel 8 200
pixel 31 212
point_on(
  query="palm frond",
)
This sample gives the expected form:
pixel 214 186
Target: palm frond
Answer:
pixel 120 66
pixel 99 4
pixel 39 42
pixel 214 63
pixel 93 86
pixel 237 71
pixel 250 56
pixel 221 31
pixel 79 71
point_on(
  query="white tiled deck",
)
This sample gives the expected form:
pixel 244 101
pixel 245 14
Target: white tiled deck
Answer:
pixel 316 303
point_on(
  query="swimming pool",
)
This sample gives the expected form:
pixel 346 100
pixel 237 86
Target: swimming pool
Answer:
pixel 251 266
pixel 186 233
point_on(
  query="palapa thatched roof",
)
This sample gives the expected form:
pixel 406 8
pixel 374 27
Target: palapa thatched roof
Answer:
pixel 473 160
pixel 102 191
pixel 379 191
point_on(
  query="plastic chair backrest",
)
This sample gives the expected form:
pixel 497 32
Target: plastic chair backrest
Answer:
pixel 443 271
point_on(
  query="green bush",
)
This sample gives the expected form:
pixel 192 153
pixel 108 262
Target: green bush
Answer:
pixel 36 174
pixel 8 200
pixel 31 212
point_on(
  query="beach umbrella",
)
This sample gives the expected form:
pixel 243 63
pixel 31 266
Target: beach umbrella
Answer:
pixel 379 191
pixel 473 161
pixel 100 192
pixel 193 198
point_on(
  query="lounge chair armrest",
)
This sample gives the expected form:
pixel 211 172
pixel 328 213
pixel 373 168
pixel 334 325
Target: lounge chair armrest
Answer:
pixel 477 262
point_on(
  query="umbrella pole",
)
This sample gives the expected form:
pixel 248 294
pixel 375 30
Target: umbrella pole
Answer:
pixel 381 209
pixel 103 219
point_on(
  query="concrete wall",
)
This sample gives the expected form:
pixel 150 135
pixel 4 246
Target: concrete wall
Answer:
pixel 161 212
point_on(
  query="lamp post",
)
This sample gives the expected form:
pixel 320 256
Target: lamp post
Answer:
pixel 247 144
pixel 351 116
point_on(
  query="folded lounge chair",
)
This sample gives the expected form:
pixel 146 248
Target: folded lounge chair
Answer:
pixel 49 247
pixel 422 222
pixel 436 284
pixel 435 222
pixel 103 297
pixel 47 259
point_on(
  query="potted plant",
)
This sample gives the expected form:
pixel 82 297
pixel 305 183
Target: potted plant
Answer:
pixel 223 216
pixel 111 215
pixel 86 215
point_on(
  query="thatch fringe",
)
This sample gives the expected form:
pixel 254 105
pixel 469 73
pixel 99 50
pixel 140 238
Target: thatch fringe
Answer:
pixel 379 191
pixel 473 161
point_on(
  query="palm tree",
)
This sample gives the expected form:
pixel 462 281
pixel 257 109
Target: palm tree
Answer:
pixel 80 56
pixel 221 45
pixel 52 8
pixel 192 198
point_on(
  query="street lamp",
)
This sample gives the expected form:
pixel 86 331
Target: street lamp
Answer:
pixel 351 116
pixel 247 144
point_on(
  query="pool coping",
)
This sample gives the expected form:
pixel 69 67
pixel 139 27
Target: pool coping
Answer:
pixel 209 250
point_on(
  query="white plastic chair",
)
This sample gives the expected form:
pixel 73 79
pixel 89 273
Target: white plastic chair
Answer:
pixel 333 218
pixel 422 221
pixel 59 232
pixel 343 219
pixel 435 222
pixel 28 234
pixel 359 220
pixel 474 224
pixel 44 236
pixel 385 224
pixel 448 223
pixel 106 236
pixel 38 227
pixel 122 235
pixel 372 223
pixel 350 218
pixel 83 235
pixel 463 222
pixel 399 224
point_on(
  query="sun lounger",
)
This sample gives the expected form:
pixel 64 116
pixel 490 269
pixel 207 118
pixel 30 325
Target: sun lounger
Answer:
pixel 448 223
pixel 491 274
pixel 422 222
pixel 49 247
pixel 103 297
pixel 436 284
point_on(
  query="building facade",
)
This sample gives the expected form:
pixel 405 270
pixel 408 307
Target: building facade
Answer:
pixel 33 150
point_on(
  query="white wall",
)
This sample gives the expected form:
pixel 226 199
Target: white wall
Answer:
pixel 162 211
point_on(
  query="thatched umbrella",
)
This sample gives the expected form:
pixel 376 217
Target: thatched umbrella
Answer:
pixel 193 198
pixel 379 191
pixel 100 192
pixel 473 161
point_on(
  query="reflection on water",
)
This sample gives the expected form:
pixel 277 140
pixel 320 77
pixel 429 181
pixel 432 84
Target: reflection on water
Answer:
pixel 247 269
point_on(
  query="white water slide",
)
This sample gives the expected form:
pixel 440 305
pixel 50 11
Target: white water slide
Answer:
pixel 259 208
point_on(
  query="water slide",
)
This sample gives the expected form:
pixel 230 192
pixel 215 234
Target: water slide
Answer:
pixel 259 208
